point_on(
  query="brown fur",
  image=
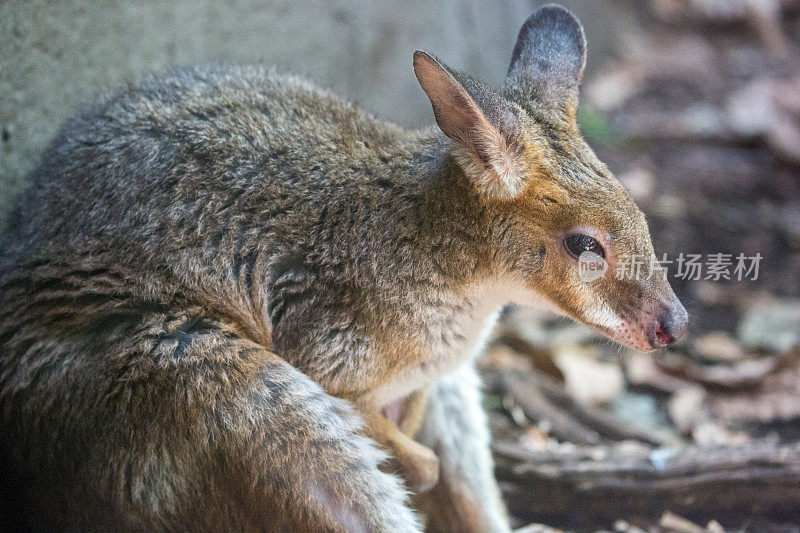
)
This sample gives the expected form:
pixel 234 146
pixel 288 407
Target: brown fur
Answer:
pixel 221 271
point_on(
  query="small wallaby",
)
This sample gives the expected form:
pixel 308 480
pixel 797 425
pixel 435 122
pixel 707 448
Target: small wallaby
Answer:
pixel 225 285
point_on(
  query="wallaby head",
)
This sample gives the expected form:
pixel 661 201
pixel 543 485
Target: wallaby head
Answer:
pixel 521 149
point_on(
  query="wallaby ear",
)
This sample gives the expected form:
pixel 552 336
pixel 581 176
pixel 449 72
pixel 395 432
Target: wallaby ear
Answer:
pixel 548 60
pixel 482 131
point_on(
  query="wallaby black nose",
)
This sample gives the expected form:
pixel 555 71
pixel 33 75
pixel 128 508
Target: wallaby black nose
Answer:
pixel 671 325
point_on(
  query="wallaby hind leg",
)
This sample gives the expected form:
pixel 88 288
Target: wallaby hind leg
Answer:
pixel 467 498
pixel 301 449
pixel 202 430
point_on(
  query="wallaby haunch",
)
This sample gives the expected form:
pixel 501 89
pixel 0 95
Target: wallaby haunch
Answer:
pixel 226 285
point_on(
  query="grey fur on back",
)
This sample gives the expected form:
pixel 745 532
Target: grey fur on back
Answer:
pixel 207 185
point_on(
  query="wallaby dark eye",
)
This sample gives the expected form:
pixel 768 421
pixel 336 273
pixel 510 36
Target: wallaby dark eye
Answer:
pixel 577 244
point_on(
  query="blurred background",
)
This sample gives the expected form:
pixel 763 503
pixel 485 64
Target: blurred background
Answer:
pixel 693 104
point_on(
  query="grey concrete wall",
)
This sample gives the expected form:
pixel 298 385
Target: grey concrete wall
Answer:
pixel 55 55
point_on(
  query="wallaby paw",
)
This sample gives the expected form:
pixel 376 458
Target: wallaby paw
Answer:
pixel 421 470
